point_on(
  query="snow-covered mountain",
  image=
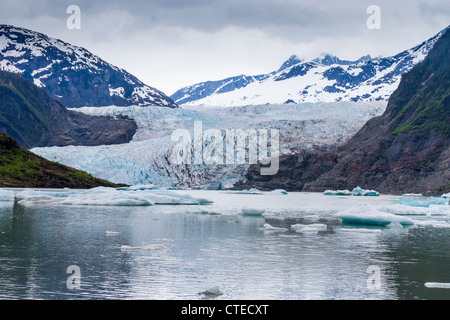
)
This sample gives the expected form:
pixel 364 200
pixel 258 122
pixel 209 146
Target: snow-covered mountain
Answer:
pixel 324 79
pixel 72 74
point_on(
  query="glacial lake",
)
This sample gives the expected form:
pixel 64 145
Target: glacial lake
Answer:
pixel 216 247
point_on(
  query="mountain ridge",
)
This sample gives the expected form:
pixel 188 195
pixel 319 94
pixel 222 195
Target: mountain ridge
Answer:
pixel 33 118
pixel 323 79
pixel 72 74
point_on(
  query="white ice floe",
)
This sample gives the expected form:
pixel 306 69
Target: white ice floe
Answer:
pixel 252 211
pixel 309 228
pixel 361 192
pixel 422 202
pixel 368 214
pixel 412 195
pixel 446 196
pixel 112 233
pixel 268 227
pixel 311 218
pixel 437 285
pixel 360 230
pixel 6 195
pixel 404 210
pixel 150 247
pixel 337 193
pixel 104 196
pixel 278 191
pixel 249 191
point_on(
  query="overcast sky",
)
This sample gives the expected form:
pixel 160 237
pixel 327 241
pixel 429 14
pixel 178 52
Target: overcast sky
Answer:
pixel 169 44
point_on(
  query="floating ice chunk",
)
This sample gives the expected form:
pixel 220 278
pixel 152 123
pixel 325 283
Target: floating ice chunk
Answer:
pixel 404 210
pixel 438 285
pixel 311 218
pixel 360 230
pixel 112 233
pixel 278 191
pixel 268 227
pixel 252 212
pixel 368 214
pixel 250 191
pixel 309 228
pixel 104 196
pixel 273 217
pixel 361 192
pixel 6 195
pixel 446 196
pixel 420 202
pixel 337 193
pixel 150 247
pixel 412 195
pixel 139 187
pixel 432 223
pixel 212 292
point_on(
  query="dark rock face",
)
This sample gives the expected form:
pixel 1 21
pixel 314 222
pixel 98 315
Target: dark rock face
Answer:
pixel 407 149
pixel 30 116
pixel 294 172
pixel 72 74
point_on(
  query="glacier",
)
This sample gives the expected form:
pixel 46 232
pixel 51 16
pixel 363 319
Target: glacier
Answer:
pixel 147 158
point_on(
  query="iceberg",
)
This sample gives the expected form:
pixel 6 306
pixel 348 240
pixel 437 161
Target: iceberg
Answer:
pixel 360 230
pixel 250 191
pixel 370 215
pixel 112 233
pixel 268 227
pixel 6 195
pixel 420 202
pixel 361 192
pixel 105 196
pixel 150 247
pixel 337 193
pixel 439 285
pixel 446 196
pixel 278 191
pixel 252 212
pixel 309 228
pixel 404 210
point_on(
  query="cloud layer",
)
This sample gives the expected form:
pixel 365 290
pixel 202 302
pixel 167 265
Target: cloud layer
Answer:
pixel 172 43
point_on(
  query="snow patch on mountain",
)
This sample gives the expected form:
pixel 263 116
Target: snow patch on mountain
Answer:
pixel 324 79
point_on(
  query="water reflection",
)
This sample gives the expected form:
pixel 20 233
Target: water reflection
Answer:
pixel 204 251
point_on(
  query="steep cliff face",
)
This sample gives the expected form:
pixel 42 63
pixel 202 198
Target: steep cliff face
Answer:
pixel 34 119
pixel 295 170
pixel 407 149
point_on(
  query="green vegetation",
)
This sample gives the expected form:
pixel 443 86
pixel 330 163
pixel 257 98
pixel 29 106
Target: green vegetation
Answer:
pixel 22 168
pixel 422 101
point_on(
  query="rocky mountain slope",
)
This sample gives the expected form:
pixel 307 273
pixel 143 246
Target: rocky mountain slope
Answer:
pixel 21 168
pixel 72 74
pixel 34 119
pixel 324 79
pixel 407 149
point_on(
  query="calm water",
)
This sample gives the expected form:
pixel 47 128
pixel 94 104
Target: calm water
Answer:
pixel 216 246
